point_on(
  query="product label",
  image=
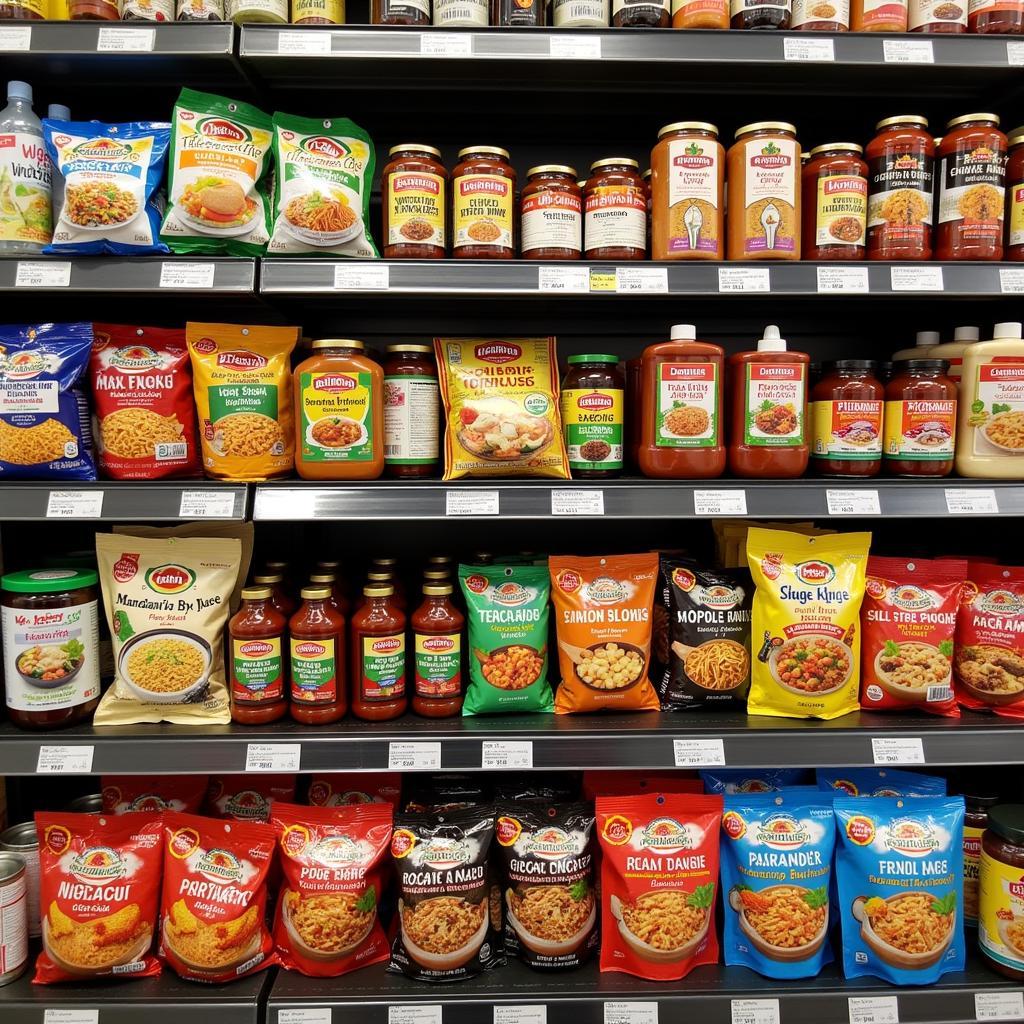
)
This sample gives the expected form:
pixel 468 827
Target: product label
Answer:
pixel 920 430
pixel 1001 912
pixel 24 189
pixel 773 413
pixel 51 656
pixel 483 208
pixel 769 188
pixel 314 672
pixel 257 670
pixel 337 417
pixel 411 409
pixel 580 13
pixel 416 208
pixel 694 8
pixel 148 10
pixel 997 408
pixel 900 194
pixel 269 10
pixel 850 429
pixel 200 10
pixel 741 6
pixel 1016 234
pixel 842 210
pixel 688 406
pixel 593 424
pixel 879 13
pixel 552 220
pixel 468 13
pixel 935 12
pixel 650 9
pixel 616 216
pixel 438 660
pixel 805 11
pixel 972 873
pixel 383 670
pixel 406 6
pixel 331 11
pixel 972 194
pixel 694 196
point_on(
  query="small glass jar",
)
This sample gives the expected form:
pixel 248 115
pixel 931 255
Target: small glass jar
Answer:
pixel 762 14
pixel 641 13
pixel 400 12
pixel 920 419
pixel 977 806
pixel 414 203
pixel 944 17
pixel 990 17
pixel 689 14
pixel 879 16
pixel 412 402
pixel 461 13
pixel 1015 193
pixel 551 214
pixel 258 666
pixel 483 204
pixel 847 405
pixel 200 10
pixel 592 400
pixel 1002 865
pixel 580 13
pixel 96 10
pixel 821 16
pixel 835 203
pixel 615 225
pixel 517 13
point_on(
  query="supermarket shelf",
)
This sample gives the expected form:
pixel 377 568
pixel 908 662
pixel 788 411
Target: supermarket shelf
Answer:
pixel 200 275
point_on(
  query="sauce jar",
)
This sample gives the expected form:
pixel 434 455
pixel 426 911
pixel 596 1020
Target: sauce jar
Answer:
pixel 437 627
pixel 835 203
pixel 821 16
pixel 24 10
pixel 329 578
pixel 96 10
pixel 688 193
pixel 280 598
pixel 847 406
pixel 995 17
pixel 518 13
pixel 390 566
pixel 461 13
pixel 977 806
pixel 580 13
pixel 593 391
pixel 258 684
pixel 200 10
pixel 317 662
pixel 760 14
pixel 483 202
pixel 972 189
pixel 243 11
pixel 317 12
pixel 551 214
pixel 400 12
pixel 1015 203
pixel 700 14
pixel 414 203
pixel 616 211
pixel 1000 905
pixel 878 15
pixel 49 621
pixel 378 656
pixel 944 17
pixel 148 10
pixel 901 164
pixel 920 419
pixel 641 13
pixel 412 403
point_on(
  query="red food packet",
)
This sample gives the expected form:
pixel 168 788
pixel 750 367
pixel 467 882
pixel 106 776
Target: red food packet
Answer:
pixel 247 797
pixel 124 793
pixel 341 789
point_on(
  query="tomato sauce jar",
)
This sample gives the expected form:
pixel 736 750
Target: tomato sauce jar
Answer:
pixel 920 419
pixel 258 668
pixel 551 214
pixel 592 396
pixel 1001 869
pixel 317 662
pixel 847 406
pixel 437 627
pixel 378 656
pixel 615 224
pixel 483 204
pixel 835 203
pixel 412 403
pixel 414 201
pixel 995 17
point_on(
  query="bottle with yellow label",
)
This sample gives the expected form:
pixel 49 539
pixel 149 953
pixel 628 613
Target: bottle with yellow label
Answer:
pixel 592 415
pixel 318 12
pixel 1001 899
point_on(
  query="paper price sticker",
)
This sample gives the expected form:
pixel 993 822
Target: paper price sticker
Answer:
pixel 74 505
pixel 603 280
pixel 744 279
pixel 698 753
pixel 273 757
pixel 520 1015
pixel 897 749
pixel 446 44
pixel 64 760
pixel 755 1011
pixel 514 754
pixel 74 1016
pixel 15 37
pixel 809 49
pixel 915 279
pixel 575 47
pixel 361 276
pixel 187 275
pixel 304 1015
pixel 999 1006
pixel 569 280
pixel 1011 279
pixel 720 503
pixel 851 280
pixel 908 51
pixel 414 1015
pixel 125 40
pixel 414 756
pixel 42 275
pixel 471 503
pixel 206 505
pixel 630 1013
pixel 573 502
pixel 641 280
pixel 853 503
pixel 874 1010
pixel 298 44
pixel 972 501
pixel 1015 54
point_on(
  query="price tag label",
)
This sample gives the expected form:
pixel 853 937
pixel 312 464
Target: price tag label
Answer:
pixel 575 47
pixel 1011 279
pixel 572 280
pixel 419 756
pixel 305 1015
pixel 744 279
pixel 273 757
pixel 809 49
pixel 414 1015
pixel 206 505
pixel 908 51
pixel 852 280
pixel 698 753
pixel 897 749
pixel 125 40
pixel 299 44
pixel 520 1015
pixel 999 1006
pixel 507 754
pixel 720 503
pixel 602 280
pixel 972 501
pixel 187 275
pixel 471 503
pixel 42 275
pixel 15 37
pixel 1015 54
pixel 566 502
pixel 874 1010
pixel 915 279
pixel 755 1011
pixel 630 1013
pixel 446 44
pixel 73 1016
pixel 74 505
pixel 64 760
pixel 853 503
pixel 362 276
pixel 641 280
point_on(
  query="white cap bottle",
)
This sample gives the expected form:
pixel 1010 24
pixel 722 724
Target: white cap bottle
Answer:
pixel 771 340
pixel 683 332
pixel 953 351
pixel 923 341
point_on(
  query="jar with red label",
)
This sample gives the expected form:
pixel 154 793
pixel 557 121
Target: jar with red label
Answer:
pixel 483 204
pixel 551 214
pixel 1015 196
pixel 317 633
pixel 835 203
pixel 944 17
pixel 437 627
pixel 972 189
pixel 760 14
pixel 995 17
pixel 257 657
pixel 413 189
pixel 920 419
pixel 821 16
pixel 615 224
pixel 378 656
pixel 846 420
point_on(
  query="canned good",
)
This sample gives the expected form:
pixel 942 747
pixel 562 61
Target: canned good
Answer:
pixel 88 803
pixel 13 919
pixel 22 841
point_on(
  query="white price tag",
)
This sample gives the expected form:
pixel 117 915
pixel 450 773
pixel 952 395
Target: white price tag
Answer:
pixel 1011 279
pixel 908 51
pixel 874 1010
pixel 302 43
pixel 744 279
pixel 853 503
pixel 972 501
pixel 755 1011
pixel 853 280
pixel 273 757
pixel 206 505
pixel 362 276
pixel 303 1015
pixel 42 275
pixel 72 1016
pixel 125 40
pixel 74 505
pixel 637 280
pixel 471 503
pixel 999 1006
pixel 575 47
pixel 720 503
pixel 809 49
pixel 64 760
pixel 414 1015
pixel 565 502
pixel 1015 54
pixel 520 1015
pixel 513 754
pixel 446 44
pixel 187 275
pixel 630 1013
pixel 573 280
pixel 897 749
pixel 420 756
pixel 15 37
pixel 698 753
pixel 915 279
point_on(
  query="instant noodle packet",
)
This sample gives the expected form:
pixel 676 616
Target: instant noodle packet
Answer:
pixel 322 188
pixel 99 889
pixel 603 622
pixel 899 865
pixel 805 633
pixel 659 877
pixel 243 388
pixel 249 797
pixel 879 782
pixel 343 789
pixel 123 794
pixel 908 621
pixel 753 780
pixel 501 407
pixel 776 873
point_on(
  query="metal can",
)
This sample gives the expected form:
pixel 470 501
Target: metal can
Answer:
pixel 13 922
pixel 88 803
pixel 23 841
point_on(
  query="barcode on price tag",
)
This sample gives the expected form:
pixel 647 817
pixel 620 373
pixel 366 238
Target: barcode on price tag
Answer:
pixel 897 749
pixel 853 280
pixel 874 1010
pixel 571 280
pixel 74 505
pixel 907 51
pixel 72 1016
pixel 808 49
pixel 187 275
pixel 720 503
pixel 744 279
pixel 305 1015
pixel 414 1015
pixel 636 280
pixel 520 1015
pixel 446 44
pixel 273 757
pixel 999 1006
pixel 577 502
pixel 361 276
pixel 419 756
pixel 915 279
pixel 303 43
pixel 42 275
pixel 630 1013
pixel 206 505
pixel 698 753
pixel 853 502
pixel 125 40
pixel 15 37
pixel 507 754
pixel 972 501
pixel 471 503
pixel 64 760
pixel 755 1011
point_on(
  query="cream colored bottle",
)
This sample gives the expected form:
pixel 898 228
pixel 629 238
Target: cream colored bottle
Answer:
pixel 953 351
pixel 990 416
pixel 923 341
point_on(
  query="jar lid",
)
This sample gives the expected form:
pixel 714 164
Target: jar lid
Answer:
pixel 887 122
pixel 838 147
pixel 48 581
pixel 385 561
pixel 275 566
pixel 437 589
pixel 593 357
pixel 337 343
pixel 440 559
pixel 490 150
pixel 1007 821
pixel 646 173
pixel 759 126
pixel 616 161
pixel 378 590
pixel 1016 137
pixel 964 118
pixel 328 566
pixel 409 348
pixel 380 576
pixel 682 126
pixel 315 593
pixel 436 574
pixel 256 593
pixel 416 147
pixel 936 365
pixel 853 364
pixel 323 577
pixel 272 577
pixel 985 800
pixel 551 169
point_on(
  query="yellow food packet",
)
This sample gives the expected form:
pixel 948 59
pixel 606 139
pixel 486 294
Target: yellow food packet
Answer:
pixel 805 634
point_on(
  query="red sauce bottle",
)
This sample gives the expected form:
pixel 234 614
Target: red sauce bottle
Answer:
pixel 280 598
pixel 258 675
pixel 317 663
pixel 378 656
pixel 920 419
pixel 339 602
pixel 847 404
pixel 768 395
pixel 437 653
pixel 391 565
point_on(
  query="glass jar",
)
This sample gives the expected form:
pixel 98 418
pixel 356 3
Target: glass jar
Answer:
pixel 259 689
pixel 944 17
pixel 96 10
pixel 846 420
pixel 1000 905
pixel 592 400
pixel 200 10
pixel 760 13
pixel 461 13
pixel 317 12
pixel 414 203
pixel 400 12
pixel 483 202
pixel 551 214
pixel 835 203
pixel 245 11
pixel 412 402
pixel 985 17
pixel 821 16
pixel 580 13
pixel 920 419
pixel 1015 202
pixel 615 224
pixel 878 15
pixel 23 10
pixel 437 627
pixel 378 656
pixel 700 14
pixel 280 597
pixel 641 13
pixel 901 165
pixel 517 13
pixel 317 662
pixel 977 806
pixel 148 10
pixel 329 578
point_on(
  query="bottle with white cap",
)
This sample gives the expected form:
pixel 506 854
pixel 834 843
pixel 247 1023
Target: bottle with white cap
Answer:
pixel 768 393
pixel 923 341
pixel 26 221
pixel 990 420
pixel 953 351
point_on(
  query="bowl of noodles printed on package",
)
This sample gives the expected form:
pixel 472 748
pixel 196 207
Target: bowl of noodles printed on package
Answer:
pixel 166 666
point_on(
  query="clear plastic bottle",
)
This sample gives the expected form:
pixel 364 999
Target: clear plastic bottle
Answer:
pixel 26 220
